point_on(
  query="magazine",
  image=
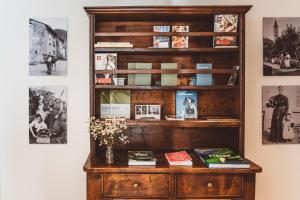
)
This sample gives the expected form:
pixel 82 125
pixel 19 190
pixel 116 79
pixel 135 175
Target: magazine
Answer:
pixel 186 104
pixel 161 41
pixel 105 61
pixel 181 41
pixel 225 23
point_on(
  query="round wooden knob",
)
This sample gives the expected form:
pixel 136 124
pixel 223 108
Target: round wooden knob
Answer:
pixel 209 185
pixel 135 185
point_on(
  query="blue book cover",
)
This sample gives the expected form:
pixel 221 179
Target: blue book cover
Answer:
pixel 186 104
pixel 204 79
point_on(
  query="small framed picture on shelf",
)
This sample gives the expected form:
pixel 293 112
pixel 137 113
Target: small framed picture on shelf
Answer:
pixel 147 112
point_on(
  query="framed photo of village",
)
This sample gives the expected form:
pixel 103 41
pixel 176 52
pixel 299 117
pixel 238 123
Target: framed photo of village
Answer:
pixel 48 46
pixel 281 46
pixel 281 114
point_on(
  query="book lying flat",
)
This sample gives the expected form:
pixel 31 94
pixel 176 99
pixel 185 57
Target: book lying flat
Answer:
pixel 221 158
pixel 141 158
pixel 179 158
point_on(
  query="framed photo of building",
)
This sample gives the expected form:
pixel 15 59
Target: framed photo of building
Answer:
pixel 281 114
pixel 281 46
pixel 147 111
pixel 48 46
pixel 48 115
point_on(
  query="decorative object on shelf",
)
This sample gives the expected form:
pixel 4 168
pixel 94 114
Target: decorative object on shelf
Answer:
pixel 105 61
pixel 168 79
pixel 147 111
pixel 281 43
pixel 221 158
pixel 233 75
pixel 161 41
pixel 48 46
pixel 115 103
pixel 281 115
pixel 205 78
pixel 48 115
pixel 186 104
pixel 119 81
pixel 107 132
pixel 225 23
pixel 180 41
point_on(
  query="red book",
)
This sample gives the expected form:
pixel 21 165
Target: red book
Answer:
pixel 179 158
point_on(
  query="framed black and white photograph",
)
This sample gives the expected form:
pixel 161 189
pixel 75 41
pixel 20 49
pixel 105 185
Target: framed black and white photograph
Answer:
pixel 48 115
pixel 48 46
pixel 147 111
pixel 281 114
pixel 281 46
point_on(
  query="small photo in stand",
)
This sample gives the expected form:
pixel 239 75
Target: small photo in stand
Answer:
pixel 147 111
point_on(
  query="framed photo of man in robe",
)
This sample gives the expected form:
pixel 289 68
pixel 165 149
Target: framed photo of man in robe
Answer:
pixel 281 114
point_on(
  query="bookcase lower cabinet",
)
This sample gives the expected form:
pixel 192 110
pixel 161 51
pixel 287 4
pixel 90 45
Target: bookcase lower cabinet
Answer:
pixel 214 111
pixel 170 186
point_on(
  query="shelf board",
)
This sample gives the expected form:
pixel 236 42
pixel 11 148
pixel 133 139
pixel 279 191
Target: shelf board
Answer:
pixel 187 123
pixel 120 165
pixel 165 71
pixel 143 34
pixel 137 87
pixel 166 50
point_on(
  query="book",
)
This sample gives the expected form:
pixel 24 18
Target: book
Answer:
pixel 221 158
pixel 113 44
pixel 143 79
pixel 179 158
pixel 225 23
pixel 204 79
pixel 186 104
pixel 233 75
pixel 180 41
pixel 168 79
pixel 161 41
pixel 161 28
pixel 115 103
pixel 141 158
pixel 105 61
pixel 173 118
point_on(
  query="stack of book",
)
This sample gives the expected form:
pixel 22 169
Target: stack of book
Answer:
pixel 179 158
pixel 141 158
pixel 113 44
pixel 221 158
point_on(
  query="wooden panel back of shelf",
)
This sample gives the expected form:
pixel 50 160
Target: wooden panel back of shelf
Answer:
pixel 179 87
pixel 166 71
pixel 141 34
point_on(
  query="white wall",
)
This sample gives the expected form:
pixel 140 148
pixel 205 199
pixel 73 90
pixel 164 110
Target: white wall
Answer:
pixel 43 172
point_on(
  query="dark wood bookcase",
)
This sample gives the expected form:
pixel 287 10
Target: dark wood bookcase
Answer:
pixel 135 25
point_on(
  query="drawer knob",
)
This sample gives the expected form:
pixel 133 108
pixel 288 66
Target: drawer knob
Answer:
pixel 209 185
pixel 135 185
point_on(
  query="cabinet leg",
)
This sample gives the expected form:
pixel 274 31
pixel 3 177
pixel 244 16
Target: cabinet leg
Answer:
pixel 249 187
pixel 93 186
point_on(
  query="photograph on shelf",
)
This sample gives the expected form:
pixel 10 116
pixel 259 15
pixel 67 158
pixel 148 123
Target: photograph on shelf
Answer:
pixel 48 115
pixel 180 41
pixel 147 111
pixel 225 23
pixel 48 46
pixel 105 61
pixel 233 76
pixel 186 104
pixel 281 114
pixel 281 46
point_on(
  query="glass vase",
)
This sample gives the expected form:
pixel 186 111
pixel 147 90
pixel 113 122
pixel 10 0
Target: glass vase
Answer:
pixel 109 155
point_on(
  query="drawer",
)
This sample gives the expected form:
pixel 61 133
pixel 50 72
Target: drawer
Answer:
pixel 199 185
pixel 136 185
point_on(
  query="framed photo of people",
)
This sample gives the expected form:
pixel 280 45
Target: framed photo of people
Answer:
pixel 281 114
pixel 48 115
pixel 281 46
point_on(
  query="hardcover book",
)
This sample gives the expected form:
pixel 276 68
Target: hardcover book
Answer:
pixel 186 104
pixel 204 79
pixel 179 158
pixel 180 41
pixel 115 103
pixel 141 158
pixel 105 61
pixel 221 158
pixel 168 79
pixel 225 23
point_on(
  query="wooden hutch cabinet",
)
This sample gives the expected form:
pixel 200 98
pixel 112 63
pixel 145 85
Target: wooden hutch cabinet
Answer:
pixel 135 25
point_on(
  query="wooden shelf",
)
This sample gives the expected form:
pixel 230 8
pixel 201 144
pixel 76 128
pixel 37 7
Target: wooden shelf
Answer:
pixel 137 87
pixel 166 71
pixel 187 123
pixel 166 50
pixel 162 166
pixel 143 34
